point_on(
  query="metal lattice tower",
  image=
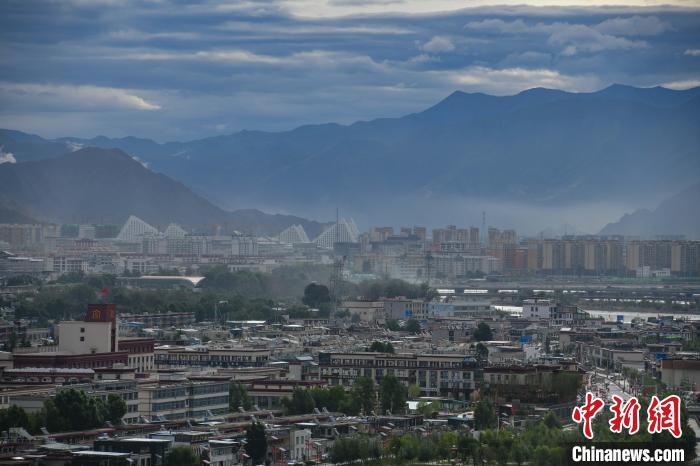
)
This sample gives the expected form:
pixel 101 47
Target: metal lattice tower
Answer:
pixel 337 272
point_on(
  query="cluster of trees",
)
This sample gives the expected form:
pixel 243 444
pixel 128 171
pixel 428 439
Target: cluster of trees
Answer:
pixel 485 416
pixel 381 347
pixel 256 445
pixel 361 398
pixel 391 395
pixel 540 445
pixel 350 449
pixel 411 326
pixel 483 332
pixel 316 296
pixel 247 295
pixel 69 410
pixel 287 282
pixel 182 455
pixel 238 397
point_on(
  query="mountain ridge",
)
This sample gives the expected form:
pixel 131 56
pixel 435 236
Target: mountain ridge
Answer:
pixel 676 215
pixel 548 148
pixel 94 185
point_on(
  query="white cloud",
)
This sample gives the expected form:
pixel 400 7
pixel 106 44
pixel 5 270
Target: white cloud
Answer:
pixel 634 26
pixel 682 84
pixel 6 157
pixel 571 38
pixel 438 44
pixel 692 52
pixel 576 38
pixel 508 81
pixel 422 59
pixel 73 146
pixel 311 28
pixel 143 164
pixel 240 56
pixel 498 25
pixel 78 97
pixel 316 9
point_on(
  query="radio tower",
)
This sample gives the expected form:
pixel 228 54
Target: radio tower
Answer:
pixel 337 273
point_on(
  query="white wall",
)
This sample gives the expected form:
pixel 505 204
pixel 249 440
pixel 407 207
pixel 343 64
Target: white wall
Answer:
pixel 77 337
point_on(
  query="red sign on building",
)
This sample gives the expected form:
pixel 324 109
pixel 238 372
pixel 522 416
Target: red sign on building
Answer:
pixel 104 312
pixel 101 312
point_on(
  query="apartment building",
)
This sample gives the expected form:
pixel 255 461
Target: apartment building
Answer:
pixel 204 356
pixel 404 308
pixel 161 320
pixel 141 355
pixel 369 312
pixel 435 374
pixel 192 398
pixel 463 307
pixel 587 255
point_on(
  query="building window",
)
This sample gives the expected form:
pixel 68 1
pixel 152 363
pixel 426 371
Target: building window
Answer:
pixel 82 338
pixel 82 329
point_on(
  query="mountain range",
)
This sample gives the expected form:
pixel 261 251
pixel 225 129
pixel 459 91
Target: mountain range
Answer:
pixel 677 215
pixel 94 185
pixel 540 153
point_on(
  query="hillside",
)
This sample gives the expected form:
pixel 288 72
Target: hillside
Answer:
pixel 679 214
pixel 107 185
pixel 543 148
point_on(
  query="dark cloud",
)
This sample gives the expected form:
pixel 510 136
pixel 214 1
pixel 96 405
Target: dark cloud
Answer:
pixel 180 70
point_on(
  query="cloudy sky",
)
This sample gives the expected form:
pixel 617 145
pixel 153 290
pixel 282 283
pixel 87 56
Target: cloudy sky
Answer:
pixel 178 70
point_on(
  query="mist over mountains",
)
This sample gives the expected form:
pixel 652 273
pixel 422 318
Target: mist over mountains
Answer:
pixel 679 214
pixel 94 185
pixel 532 160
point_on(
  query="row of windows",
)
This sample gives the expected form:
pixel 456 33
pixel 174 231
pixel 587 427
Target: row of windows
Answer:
pixel 212 401
pixel 170 393
pixel 393 363
pixel 210 388
pixel 467 375
pixel 169 405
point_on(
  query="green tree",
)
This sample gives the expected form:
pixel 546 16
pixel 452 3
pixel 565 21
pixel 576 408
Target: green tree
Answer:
pixel 363 394
pixel 428 409
pixel 520 452
pixel 413 326
pixel 393 325
pixel 257 442
pixel 551 421
pixel 13 416
pixel 116 408
pixel 315 295
pixel 73 410
pixel 483 332
pixel 413 391
pixel 392 395
pixel 381 347
pixel 482 352
pixel 182 455
pixel 238 397
pixel 301 402
pixel 484 415
pixel 467 447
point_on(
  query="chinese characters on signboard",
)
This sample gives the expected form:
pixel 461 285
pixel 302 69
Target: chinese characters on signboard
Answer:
pixel 662 415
